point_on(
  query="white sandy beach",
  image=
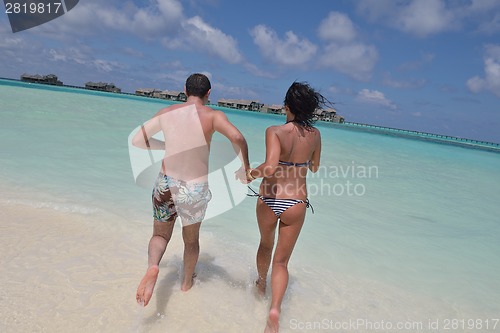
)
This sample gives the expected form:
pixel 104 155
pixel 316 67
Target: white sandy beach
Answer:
pixel 64 272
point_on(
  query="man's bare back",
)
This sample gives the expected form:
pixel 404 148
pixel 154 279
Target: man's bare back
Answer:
pixel 188 129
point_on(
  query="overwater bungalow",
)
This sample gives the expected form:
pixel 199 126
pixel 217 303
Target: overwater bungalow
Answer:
pixel 325 115
pixel 102 86
pixel 45 79
pixel 240 104
pixel 173 95
pixel 338 119
pixel 147 92
pixel 329 114
pixel 275 109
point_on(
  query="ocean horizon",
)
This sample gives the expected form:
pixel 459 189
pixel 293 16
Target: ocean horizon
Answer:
pixel 402 132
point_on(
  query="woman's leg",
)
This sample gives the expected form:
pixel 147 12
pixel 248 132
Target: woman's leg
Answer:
pixel 291 222
pixel 267 226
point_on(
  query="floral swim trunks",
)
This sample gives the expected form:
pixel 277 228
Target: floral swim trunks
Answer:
pixel 173 197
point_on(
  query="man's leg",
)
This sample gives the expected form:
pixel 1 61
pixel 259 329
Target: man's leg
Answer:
pixel 162 232
pixel 191 236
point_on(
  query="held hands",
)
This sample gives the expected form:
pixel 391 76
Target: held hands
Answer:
pixel 240 175
pixel 249 175
pixel 244 175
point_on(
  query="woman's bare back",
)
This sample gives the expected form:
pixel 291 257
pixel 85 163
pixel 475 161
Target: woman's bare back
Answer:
pixel 297 145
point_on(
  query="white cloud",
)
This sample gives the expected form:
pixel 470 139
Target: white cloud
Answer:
pixel 335 89
pixel 407 84
pixel 475 84
pixel 80 55
pixel 344 52
pixel 426 17
pixel 375 10
pixel 492 26
pixel 375 97
pixel 337 27
pixel 17 52
pixel 340 90
pixel 83 56
pixel 162 20
pixel 289 51
pixel 201 35
pixel 253 69
pixel 97 17
pixel 175 77
pixel 57 56
pixel 104 65
pixel 354 59
pixel 425 59
pixel 133 52
pixel 154 20
pixel 234 92
pixel 171 9
pixel 491 80
pixel 12 43
pixel 207 74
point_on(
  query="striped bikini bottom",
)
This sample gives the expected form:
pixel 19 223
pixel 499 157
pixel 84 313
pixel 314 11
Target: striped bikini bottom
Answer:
pixel 278 206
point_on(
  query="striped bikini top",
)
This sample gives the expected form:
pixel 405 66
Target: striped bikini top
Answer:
pixel 304 164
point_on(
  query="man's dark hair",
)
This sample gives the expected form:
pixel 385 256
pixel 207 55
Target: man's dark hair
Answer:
pixel 197 85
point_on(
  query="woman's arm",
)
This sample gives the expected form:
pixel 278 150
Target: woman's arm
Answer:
pixel 314 166
pixel 144 137
pixel 273 151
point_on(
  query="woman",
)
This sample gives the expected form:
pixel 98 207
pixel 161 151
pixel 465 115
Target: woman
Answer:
pixel 291 149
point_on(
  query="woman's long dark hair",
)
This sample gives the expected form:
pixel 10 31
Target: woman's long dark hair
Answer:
pixel 303 100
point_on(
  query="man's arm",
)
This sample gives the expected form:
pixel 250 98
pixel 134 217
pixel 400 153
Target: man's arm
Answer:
pixel 224 127
pixel 144 137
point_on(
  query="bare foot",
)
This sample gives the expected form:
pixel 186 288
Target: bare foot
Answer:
pixel 186 285
pixel 147 285
pixel 261 286
pixel 273 322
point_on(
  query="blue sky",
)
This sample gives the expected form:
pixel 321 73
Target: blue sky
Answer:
pixel 428 65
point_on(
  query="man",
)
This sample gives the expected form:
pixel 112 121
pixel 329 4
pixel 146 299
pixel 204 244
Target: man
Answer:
pixel 182 185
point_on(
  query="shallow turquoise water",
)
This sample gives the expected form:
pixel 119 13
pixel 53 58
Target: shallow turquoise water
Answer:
pixel 399 219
